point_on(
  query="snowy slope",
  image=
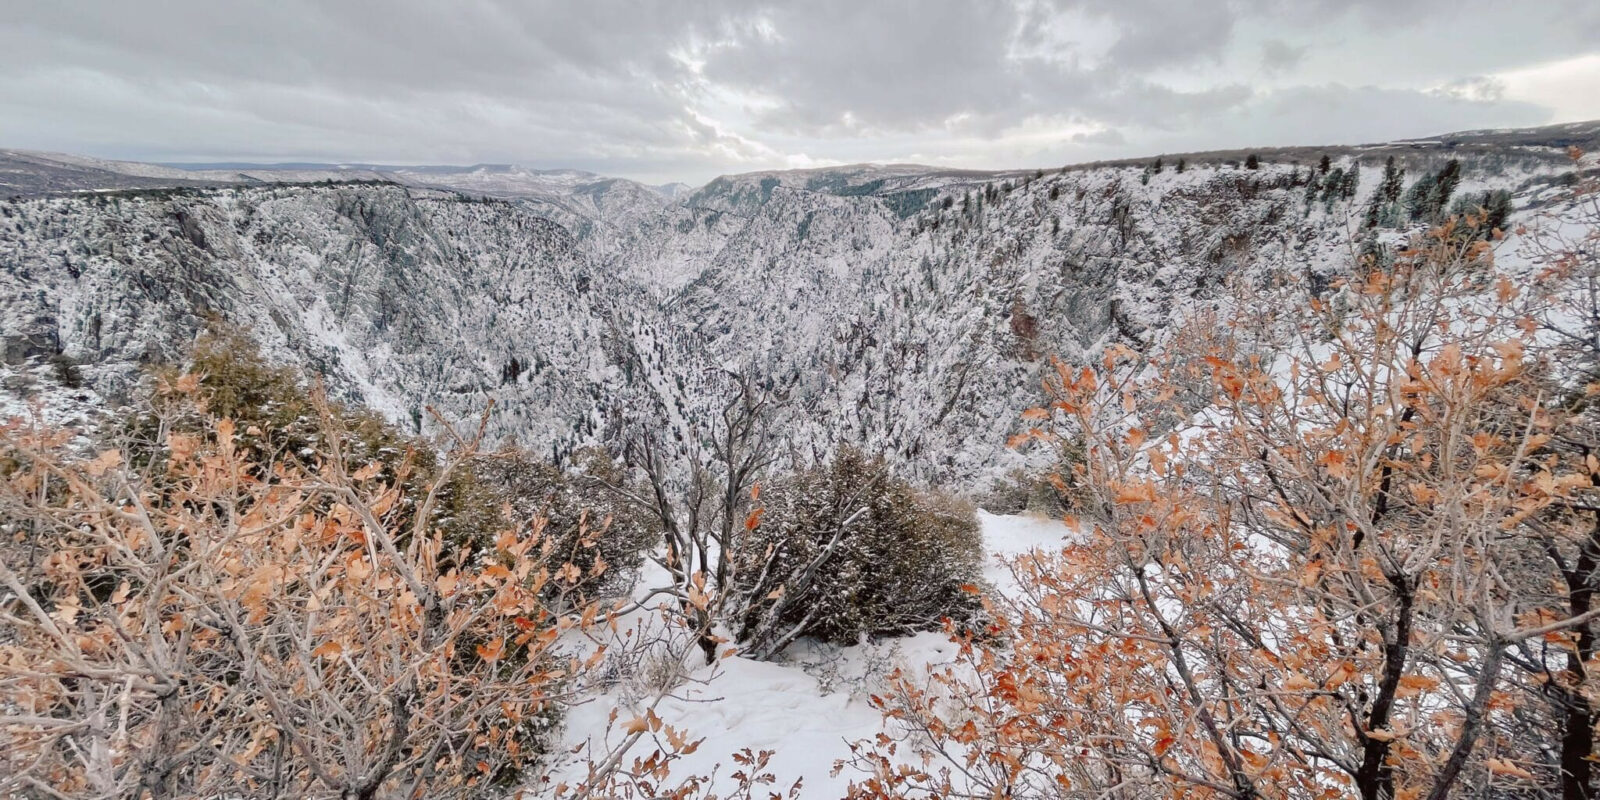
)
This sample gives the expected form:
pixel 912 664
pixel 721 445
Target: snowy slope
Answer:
pixel 399 300
pixel 809 706
pixel 906 308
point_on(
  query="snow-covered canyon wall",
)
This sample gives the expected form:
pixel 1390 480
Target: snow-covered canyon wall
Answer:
pixel 906 309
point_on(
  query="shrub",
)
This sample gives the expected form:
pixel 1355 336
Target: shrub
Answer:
pixel 1053 492
pixel 207 624
pixel 261 503
pixel 1311 591
pixel 276 420
pixel 277 417
pixel 585 524
pixel 846 550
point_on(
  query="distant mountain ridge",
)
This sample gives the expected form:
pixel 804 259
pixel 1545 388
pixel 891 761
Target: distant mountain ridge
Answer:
pixel 25 172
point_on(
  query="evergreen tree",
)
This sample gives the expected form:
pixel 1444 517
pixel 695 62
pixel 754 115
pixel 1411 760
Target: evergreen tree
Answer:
pixel 1497 207
pixel 1419 198
pixel 1374 216
pixel 1394 179
pixel 1350 182
pixel 1253 162
pixel 1156 167
pixel 1445 185
pixel 1488 211
pixel 1332 188
pixel 1384 210
pixel 1430 195
pixel 1324 165
pixel 1182 164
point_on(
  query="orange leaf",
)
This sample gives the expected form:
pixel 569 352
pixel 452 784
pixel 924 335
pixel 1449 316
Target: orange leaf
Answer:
pixel 1143 492
pixel 1499 766
pixel 103 462
pixel 493 650
pixel 1299 683
pixel 1136 437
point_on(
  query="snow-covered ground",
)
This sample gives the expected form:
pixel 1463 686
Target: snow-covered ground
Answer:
pixel 808 707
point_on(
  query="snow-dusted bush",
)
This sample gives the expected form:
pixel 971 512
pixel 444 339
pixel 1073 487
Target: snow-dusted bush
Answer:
pixel 1050 491
pixel 272 407
pixel 847 550
pixel 583 522
pixel 265 624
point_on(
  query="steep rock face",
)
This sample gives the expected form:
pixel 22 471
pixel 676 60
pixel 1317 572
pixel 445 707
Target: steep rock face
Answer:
pixel 399 298
pixel 905 309
pixel 926 335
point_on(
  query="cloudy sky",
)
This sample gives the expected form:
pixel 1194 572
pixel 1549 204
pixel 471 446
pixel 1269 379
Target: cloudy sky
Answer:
pixel 665 91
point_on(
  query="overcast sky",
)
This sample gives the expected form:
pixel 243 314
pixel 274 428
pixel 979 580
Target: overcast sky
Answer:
pixel 664 91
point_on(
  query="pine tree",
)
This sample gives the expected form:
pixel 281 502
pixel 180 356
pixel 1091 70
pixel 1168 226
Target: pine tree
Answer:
pixel 1351 181
pixel 1332 188
pixel 1253 162
pixel 1430 195
pixel 1445 185
pixel 1488 211
pixel 1182 165
pixel 1384 209
pixel 1497 206
pixel 1394 179
pixel 1419 198
pixel 1156 167
pixel 1374 215
pixel 1324 165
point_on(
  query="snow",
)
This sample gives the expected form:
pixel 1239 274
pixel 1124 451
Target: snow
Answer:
pixel 32 394
pixel 891 328
pixel 880 317
pixel 809 706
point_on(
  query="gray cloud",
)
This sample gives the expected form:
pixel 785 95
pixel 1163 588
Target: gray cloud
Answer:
pixel 1156 33
pixel 1108 136
pixel 1278 56
pixel 1339 114
pixel 1478 88
pixel 689 90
